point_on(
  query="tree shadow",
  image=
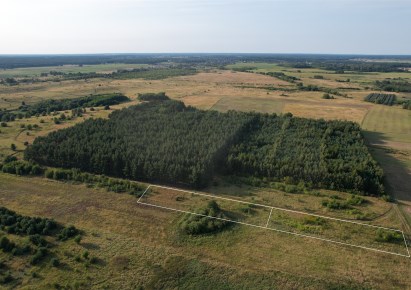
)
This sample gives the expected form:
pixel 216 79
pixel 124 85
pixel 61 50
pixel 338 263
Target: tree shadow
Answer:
pixel 397 177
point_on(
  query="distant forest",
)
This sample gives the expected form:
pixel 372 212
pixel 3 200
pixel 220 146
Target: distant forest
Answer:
pixel 338 63
pixel 165 141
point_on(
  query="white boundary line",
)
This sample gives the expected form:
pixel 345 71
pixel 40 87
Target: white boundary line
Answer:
pixel 271 211
pixel 143 193
pixel 272 229
pixel 406 246
pixel 278 208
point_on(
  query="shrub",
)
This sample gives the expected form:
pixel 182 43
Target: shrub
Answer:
pixel 37 240
pixel 67 233
pixel 55 262
pixel 203 224
pixel 388 236
pixel 77 239
pixel 38 255
pixel 327 96
pixel 6 245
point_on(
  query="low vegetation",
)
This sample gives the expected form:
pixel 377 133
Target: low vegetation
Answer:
pixel 19 167
pixel 43 234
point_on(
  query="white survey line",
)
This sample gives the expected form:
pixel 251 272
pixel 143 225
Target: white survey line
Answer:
pixel 144 193
pixel 278 208
pixel 271 211
pixel 276 230
pixel 406 246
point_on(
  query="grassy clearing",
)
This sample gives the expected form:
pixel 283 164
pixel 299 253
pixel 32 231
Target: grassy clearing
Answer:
pixel 394 123
pixel 248 104
pixel 127 238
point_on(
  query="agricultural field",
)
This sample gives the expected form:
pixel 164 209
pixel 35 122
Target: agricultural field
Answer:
pixel 150 239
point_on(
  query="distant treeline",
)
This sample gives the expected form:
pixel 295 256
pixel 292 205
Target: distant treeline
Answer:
pixel 361 66
pixel 330 62
pixel 48 106
pixel 384 99
pixel 394 85
pixel 165 141
pixel 281 76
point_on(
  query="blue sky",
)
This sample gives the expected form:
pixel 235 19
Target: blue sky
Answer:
pixel 278 26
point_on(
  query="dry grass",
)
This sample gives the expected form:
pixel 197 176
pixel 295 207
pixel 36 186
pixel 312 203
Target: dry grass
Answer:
pixel 116 227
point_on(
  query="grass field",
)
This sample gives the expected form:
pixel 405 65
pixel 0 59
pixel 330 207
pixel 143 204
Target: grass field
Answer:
pixel 357 234
pixel 394 123
pixel 129 239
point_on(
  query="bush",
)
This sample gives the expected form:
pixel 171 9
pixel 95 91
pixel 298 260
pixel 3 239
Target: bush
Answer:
pixel 203 224
pixel 389 236
pixel 67 233
pixel 6 245
pixel 55 262
pixel 7 278
pixel 327 97
pixel 77 239
pixel 38 255
pixel 37 240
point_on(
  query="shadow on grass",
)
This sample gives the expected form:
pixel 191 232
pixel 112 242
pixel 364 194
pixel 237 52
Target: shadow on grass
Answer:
pixel 397 177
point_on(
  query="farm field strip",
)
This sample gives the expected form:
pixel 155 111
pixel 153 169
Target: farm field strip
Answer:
pixel 277 219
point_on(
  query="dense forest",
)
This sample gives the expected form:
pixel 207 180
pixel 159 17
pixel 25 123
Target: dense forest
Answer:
pixel 327 154
pixel 156 141
pixel 165 141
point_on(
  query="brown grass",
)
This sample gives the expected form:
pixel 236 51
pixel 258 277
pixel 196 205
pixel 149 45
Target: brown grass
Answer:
pixel 116 226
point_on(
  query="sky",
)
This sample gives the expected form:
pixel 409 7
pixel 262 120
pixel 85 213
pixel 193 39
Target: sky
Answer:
pixel 258 26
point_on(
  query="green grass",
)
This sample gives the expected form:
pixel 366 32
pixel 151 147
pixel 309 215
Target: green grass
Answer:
pixel 247 104
pixel 394 123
